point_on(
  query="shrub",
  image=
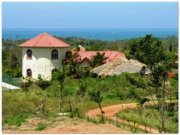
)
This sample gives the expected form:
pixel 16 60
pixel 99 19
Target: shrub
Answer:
pixel 25 83
pixel 68 91
pixel 15 120
pixel 84 72
pixel 41 126
pixel 82 89
pixel 42 83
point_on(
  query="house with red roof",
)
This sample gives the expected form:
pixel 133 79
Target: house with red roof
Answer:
pixel 45 53
pixel 41 55
pixel 86 57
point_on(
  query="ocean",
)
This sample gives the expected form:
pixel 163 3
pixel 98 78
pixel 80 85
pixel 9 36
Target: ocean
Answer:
pixel 101 34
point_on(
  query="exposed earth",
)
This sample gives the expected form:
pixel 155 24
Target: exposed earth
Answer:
pixel 64 125
pixel 76 125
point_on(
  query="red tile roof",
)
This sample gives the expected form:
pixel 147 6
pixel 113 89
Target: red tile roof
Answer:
pixel 44 40
pixel 110 55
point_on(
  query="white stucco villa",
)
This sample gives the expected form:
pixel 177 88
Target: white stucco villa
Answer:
pixel 41 55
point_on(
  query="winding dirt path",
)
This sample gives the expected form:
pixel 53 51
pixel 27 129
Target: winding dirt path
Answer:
pixel 110 112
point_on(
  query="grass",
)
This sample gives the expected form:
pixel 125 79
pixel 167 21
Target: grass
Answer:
pixel 17 120
pixel 18 105
pixel 40 126
pixel 150 117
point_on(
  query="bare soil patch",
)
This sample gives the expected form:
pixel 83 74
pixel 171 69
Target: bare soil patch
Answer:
pixel 64 125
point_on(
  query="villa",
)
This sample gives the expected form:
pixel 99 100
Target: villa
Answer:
pixel 42 54
pixel 45 53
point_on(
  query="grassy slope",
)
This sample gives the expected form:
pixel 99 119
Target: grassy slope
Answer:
pixel 19 105
pixel 150 117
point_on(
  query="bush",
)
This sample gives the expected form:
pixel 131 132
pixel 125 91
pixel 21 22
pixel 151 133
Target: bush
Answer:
pixel 68 91
pixel 82 88
pixel 42 83
pixel 41 126
pixel 26 83
pixel 84 72
pixel 15 120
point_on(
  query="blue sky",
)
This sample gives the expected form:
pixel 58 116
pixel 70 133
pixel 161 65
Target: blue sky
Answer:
pixel 90 15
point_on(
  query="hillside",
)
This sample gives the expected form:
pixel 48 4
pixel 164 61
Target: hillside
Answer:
pixel 64 125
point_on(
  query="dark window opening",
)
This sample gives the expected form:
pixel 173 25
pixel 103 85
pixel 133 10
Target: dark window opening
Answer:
pixel 29 54
pixel 54 54
pixel 29 73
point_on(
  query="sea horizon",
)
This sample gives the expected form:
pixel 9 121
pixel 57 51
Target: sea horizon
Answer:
pixel 109 34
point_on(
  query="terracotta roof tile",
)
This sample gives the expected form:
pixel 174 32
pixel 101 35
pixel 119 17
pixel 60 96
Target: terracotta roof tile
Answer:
pixel 110 55
pixel 44 40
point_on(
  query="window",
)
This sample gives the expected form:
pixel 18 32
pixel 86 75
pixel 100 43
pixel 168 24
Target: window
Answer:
pixel 29 54
pixel 54 54
pixel 29 73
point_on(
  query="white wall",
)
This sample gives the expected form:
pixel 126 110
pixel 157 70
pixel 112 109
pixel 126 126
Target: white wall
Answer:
pixel 41 62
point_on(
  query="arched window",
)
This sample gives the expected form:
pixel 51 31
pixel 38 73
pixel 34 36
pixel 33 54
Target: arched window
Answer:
pixel 29 73
pixel 29 54
pixel 54 54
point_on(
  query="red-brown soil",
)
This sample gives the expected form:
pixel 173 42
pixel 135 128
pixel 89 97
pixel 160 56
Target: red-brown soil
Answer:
pixel 110 112
pixel 64 125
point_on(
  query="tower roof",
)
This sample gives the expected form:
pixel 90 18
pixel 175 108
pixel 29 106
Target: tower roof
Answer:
pixel 44 40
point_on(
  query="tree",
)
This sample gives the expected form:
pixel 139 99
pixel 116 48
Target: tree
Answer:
pixel 82 88
pixel 158 80
pixel 60 76
pixel 170 48
pixel 61 79
pixel 98 59
pixel 14 57
pixel 96 96
pixel 72 61
pixel 148 50
pixel 25 83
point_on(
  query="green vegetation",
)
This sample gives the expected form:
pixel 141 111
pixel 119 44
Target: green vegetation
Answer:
pixel 96 96
pixel 42 83
pixel 12 57
pixel 98 59
pixel 28 102
pixel 74 90
pixel 116 89
pixel 160 61
pixel 16 120
pixel 150 116
pixel 41 126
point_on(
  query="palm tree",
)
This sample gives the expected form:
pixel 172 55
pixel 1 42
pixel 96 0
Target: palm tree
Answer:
pixel 98 59
pixel 96 96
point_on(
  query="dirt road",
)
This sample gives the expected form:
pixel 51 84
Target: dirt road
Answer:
pixel 110 112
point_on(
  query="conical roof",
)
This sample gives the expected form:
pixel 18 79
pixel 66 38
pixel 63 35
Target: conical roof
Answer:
pixel 44 40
